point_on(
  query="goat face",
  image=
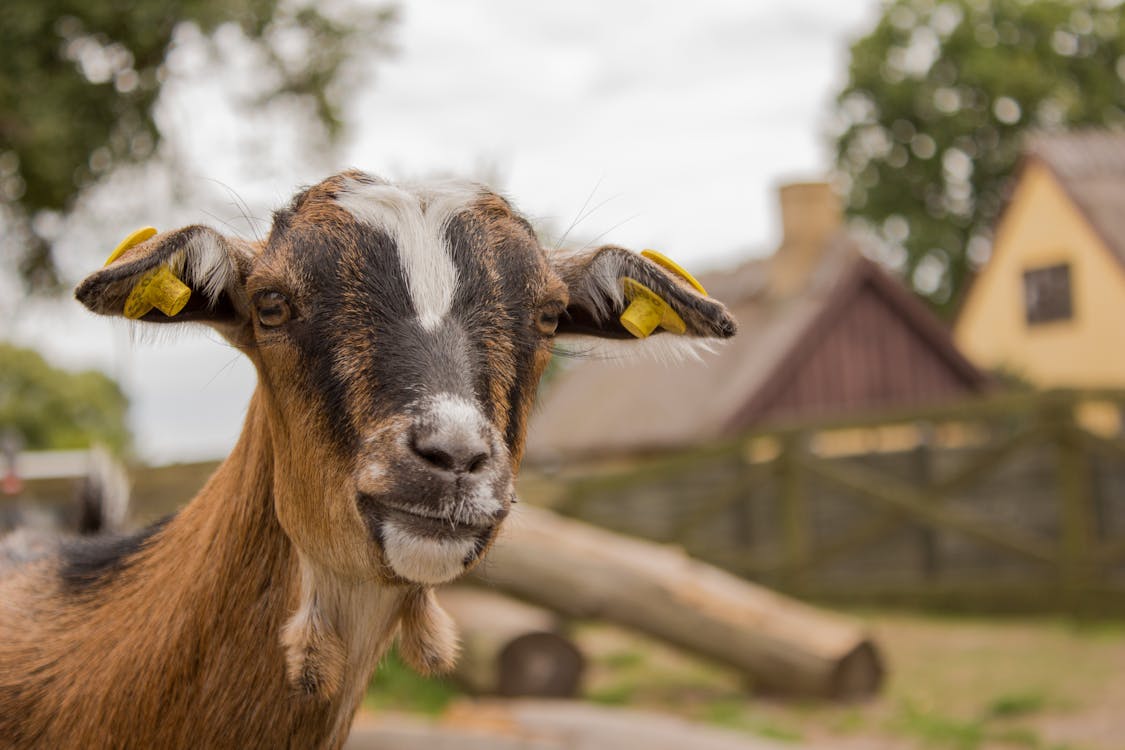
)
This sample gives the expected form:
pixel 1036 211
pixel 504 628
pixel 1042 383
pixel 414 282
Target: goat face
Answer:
pixel 399 335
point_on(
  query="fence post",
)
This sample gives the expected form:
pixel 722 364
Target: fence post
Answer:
pixel 794 509
pixel 924 480
pixel 1075 502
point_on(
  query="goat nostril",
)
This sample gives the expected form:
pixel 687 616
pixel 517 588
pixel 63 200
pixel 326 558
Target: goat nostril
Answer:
pixel 436 456
pixel 456 456
pixel 477 462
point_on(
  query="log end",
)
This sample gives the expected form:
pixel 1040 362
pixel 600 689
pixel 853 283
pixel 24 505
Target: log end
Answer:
pixel 859 674
pixel 542 665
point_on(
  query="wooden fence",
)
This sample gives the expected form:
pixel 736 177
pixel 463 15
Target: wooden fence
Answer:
pixel 1012 502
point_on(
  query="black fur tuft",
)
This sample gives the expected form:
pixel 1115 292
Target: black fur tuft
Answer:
pixel 89 562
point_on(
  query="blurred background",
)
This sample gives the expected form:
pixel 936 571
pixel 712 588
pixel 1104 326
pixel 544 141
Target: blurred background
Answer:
pixel 894 505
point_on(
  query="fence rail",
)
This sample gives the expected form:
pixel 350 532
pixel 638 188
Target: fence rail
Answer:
pixel 1013 501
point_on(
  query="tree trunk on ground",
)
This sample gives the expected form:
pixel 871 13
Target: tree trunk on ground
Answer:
pixel 510 648
pixel 783 645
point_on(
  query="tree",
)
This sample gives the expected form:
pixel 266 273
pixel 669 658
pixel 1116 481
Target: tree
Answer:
pixel 51 408
pixel 79 80
pixel 938 95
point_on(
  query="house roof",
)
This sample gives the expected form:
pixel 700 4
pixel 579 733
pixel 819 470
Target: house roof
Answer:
pixel 1090 165
pixel 630 406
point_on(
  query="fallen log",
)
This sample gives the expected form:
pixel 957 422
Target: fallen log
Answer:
pixel 783 645
pixel 510 648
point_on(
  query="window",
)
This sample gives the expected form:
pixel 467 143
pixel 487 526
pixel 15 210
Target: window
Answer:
pixel 1046 293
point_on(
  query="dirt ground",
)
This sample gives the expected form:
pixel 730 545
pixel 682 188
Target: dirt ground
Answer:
pixel 952 684
pixel 956 683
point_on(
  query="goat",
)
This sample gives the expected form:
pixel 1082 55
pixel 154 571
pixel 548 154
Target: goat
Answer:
pixel 398 333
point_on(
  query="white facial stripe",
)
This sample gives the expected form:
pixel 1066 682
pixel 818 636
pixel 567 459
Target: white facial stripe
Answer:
pixel 424 559
pixel 455 416
pixel 417 223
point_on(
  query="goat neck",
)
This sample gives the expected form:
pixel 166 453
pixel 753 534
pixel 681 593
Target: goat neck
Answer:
pixel 180 647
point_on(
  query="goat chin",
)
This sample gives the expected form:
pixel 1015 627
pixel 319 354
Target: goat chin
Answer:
pixel 426 560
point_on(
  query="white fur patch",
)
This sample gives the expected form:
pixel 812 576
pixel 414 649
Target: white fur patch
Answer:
pixel 361 616
pixel 666 348
pixel 207 263
pixel 417 221
pixel 455 416
pixel 600 285
pixel 424 559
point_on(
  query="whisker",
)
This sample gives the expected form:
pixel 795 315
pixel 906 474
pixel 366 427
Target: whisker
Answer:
pixel 618 225
pixel 578 216
pixel 243 208
pixel 221 370
pixel 225 222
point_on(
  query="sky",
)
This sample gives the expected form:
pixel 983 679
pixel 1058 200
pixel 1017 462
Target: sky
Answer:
pixel 641 126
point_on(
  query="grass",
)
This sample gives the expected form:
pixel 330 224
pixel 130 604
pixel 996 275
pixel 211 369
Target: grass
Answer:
pixel 954 683
pixel 398 687
pixel 1016 704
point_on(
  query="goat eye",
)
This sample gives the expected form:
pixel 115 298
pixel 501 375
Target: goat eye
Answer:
pixel 273 309
pixel 547 322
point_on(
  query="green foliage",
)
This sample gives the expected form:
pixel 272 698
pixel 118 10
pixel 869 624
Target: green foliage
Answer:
pixel 79 79
pixel 396 686
pixel 938 95
pixel 56 409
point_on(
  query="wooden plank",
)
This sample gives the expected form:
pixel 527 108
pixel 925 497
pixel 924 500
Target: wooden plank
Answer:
pixel 1110 552
pixel 998 407
pixel 987 462
pixel 828 552
pixel 1111 448
pixel 794 508
pixel 890 520
pixel 1076 512
pixel 708 509
pixel 887 491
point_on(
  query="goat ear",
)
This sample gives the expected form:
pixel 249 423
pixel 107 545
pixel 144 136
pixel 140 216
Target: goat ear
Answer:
pixel 189 274
pixel 618 294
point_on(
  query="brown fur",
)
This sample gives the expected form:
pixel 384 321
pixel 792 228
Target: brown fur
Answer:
pixel 171 652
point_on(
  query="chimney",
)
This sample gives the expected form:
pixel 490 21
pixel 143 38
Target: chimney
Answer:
pixel 810 215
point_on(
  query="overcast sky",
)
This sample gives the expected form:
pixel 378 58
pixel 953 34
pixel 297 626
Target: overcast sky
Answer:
pixel 674 122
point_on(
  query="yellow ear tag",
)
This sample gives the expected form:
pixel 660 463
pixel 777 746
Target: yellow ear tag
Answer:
pixel 158 288
pixel 647 310
pixel 135 238
pixel 666 262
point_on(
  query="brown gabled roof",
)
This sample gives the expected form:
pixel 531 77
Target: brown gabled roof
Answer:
pixel 633 406
pixel 1090 166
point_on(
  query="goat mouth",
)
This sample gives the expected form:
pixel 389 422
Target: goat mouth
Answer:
pixel 455 517
pixel 435 526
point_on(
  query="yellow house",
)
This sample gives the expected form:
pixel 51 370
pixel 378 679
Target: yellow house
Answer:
pixel 1049 306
